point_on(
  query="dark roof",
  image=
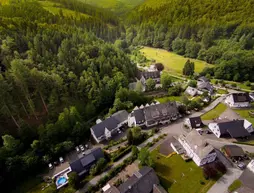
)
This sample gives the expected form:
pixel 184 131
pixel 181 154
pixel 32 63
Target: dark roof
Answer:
pixel 241 97
pixel 80 165
pixel 244 189
pixel 147 75
pixel 110 123
pixel 234 128
pixel 203 79
pixel 140 182
pixel 205 85
pixel 234 151
pixel 160 110
pixel 247 178
pixel 121 116
pixel 194 121
pixel 139 116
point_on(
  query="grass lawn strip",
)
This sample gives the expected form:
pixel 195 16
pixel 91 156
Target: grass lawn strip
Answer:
pixel 170 98
pixel 179 176
pixel 172 61
pixel 214 113
pixel 235 185
pixel 222 91
pixel 244 113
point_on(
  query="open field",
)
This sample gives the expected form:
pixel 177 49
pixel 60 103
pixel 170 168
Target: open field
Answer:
pixel 55 8
pixel 240 85
pixel 214 113
pixel 170 172
pixel 244 113
pixel 172 61
pixel 169 98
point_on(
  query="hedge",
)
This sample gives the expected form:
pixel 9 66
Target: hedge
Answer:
pixel 244 143
pixel 121 154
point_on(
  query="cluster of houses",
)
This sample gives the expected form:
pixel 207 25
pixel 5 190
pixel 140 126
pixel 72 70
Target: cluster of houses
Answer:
pixel 143 181
pixel 143 116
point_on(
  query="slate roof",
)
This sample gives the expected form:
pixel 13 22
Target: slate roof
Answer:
pixel 241 97
pixel 235 128
pixel 147 75
pixel 139 116
pixel 109 123
pixel 81 165
pixel 203 79
pixel 205 85
pixel 160 110
pixel 142 182
pixel 194 121
pixel 234 151
pixel 247 178
pixel 198 144
pixel 244 189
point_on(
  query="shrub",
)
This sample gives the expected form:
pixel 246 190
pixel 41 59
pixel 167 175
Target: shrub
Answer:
pixel 74 180
pixel 220 167
pixel 235 185
pixel 121 154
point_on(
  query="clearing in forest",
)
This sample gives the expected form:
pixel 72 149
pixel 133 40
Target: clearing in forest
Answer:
pixel 172 62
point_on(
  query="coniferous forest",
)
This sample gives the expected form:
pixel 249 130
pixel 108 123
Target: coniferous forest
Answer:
pixel 63 63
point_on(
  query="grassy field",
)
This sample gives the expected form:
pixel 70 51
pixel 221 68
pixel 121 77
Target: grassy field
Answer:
pixel 172 61
pixel 235 185
pixel 170 172
pixel 244 113
pixel 240 85
pixel 222 91
pixel 55 8
pixel 170 98
pixel 214 113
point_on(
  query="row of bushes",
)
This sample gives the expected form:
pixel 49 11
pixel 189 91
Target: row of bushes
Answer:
pixel 155 140
pixel 121 154
pixel 113 143
pixel 112 173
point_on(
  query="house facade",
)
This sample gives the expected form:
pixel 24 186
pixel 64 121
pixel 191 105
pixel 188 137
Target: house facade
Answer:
pixel 104 130
pixel 238 100
pixel 197 148
pixel 154 114
pixel 229 128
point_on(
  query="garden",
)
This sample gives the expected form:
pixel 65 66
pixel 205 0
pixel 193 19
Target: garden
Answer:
pixel 179 176
pixel 214 113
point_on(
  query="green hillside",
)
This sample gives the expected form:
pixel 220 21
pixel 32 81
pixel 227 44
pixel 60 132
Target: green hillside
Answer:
pixel 219 32
pixel 117 6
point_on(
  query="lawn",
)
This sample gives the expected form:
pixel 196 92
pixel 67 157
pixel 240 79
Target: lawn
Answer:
pixel 244 113
pixel 240 85
pixel 222 91
pixel 214 113
pixel 169 98
pixel 172 61
pixel 235 185
pixel 55 8
pixel 179 176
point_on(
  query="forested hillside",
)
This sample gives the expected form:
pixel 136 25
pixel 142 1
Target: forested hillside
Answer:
pixel 117 6
pixel 53 63
pixel 218 31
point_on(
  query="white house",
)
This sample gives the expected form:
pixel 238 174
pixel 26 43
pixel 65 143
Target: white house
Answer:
pixel 235 128
pixel 238 100
pixel 110 126
pixel 197 148
pixel 193 91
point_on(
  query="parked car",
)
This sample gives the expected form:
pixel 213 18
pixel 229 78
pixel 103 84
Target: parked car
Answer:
pixel 77 149
pixel 81 147
pixel 61 160
pixel 50 166
pixel 241 165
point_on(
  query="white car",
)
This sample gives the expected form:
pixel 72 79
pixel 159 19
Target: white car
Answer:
pixel 77 149
pixel 82 147
pixel 61 160
pixel 50 166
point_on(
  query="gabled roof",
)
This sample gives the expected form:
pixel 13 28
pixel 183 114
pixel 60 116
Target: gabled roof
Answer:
pixel 234 151
pixel 141 182
pixel 205 85
pixel 203 79
pixel 198 144
pixel 147 75
pixel 80 165
pixel 139 116
pixel 247 178
pixel 235 128
pixel 121 116
pixel 194 121
pixel 241 97
pixel 160 110
pixel 191 91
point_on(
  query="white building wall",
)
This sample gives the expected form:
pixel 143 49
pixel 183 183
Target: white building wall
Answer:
pixel 215 129
pixel 96 139
pixel 248 126
pixel 131 121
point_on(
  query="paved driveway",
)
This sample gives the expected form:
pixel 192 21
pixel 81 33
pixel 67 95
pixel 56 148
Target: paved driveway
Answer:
pixel 221 186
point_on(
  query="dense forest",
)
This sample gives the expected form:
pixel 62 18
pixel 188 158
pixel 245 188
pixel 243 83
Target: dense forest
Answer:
pixel 218 31
pixel 63 63
pixel 56 76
